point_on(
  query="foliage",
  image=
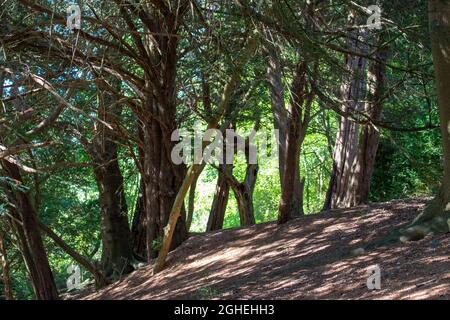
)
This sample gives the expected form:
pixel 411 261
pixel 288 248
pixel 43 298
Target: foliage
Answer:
pixel 63 188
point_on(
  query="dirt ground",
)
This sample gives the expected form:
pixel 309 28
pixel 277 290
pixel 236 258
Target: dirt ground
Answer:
pixel 308 258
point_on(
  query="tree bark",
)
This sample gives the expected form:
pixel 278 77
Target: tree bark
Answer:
pixel 195 169
pixel 221 196
pixel 244 195
pixel 25 252
pixel 139 224
pixel 100 279
pixel 353 92
pixel 439 12
pixel 159 182
pixel 220 201
pixel 161 179
pixel 115 231
pixel 436 217
pixel 42 275
pixel 7 285
pixel 116 236
pixel 191 204
pixel 243 192
pixel 280 116
pixel 169 229
pixel 298 121
pixel 362 170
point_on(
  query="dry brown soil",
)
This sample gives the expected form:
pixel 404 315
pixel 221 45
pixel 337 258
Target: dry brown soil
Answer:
pixel 308 258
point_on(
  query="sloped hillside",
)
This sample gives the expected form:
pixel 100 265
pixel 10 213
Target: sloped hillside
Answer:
pixel 309 258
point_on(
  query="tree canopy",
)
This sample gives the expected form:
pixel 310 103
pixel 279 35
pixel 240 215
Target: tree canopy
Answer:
pixel 90 118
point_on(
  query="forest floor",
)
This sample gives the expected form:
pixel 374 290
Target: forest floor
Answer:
pixel 308 258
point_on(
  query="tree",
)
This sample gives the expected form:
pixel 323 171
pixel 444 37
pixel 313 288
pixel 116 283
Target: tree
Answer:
pixel 243 191
pixel 298 120
pixel 353 92
pixel 31 241
pixel 280 116
pixel 37 260
pixel 7 285
pixel 196 168
pixel 356 144
pixel 155 52
pixel 87 119
pixel 436 217
pixel 117 252
pixel 220 201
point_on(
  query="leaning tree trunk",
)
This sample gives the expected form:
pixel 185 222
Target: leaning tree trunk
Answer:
pixel 24 250
pixel 353 91
pixel 280 116
pixel 43 277
pixel 100 279
pixel 7 285
pixel 195 169
pixel 436 217
pixel 159 182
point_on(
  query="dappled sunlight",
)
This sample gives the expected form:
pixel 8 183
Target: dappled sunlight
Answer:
pixel 308 258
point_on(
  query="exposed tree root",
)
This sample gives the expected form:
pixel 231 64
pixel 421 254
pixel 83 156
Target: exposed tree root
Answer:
pixel 435 219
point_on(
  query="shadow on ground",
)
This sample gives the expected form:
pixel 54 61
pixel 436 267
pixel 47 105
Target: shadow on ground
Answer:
pixel 308 258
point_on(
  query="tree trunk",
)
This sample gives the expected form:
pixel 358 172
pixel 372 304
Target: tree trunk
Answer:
pixel 25 252
pixel 116 236
pixel 219 204
pixel 100 279
pixel 221 196
pixel 170 228
pixel 353 92
pixel 280 116
pixel 244 200
pixel 7 285
pixel 362 170
pixel 162 179
pixel 244 195
pixel 191 204
pixel 436 217
pixel 440 31
pixel 115 231
pixel 243 192
pixel 42 275
pixel 196 169
pixel 299 113
pixel 139 224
